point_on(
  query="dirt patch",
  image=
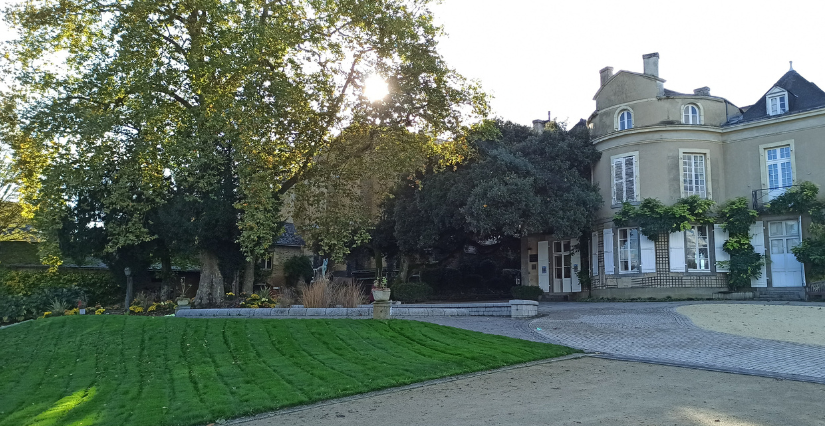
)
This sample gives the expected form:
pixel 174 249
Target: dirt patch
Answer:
pixel 798 324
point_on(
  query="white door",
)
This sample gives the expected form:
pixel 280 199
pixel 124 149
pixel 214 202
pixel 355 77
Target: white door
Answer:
pixel 544 266
pixel 786 271
pixel 780 172
pixel 563 266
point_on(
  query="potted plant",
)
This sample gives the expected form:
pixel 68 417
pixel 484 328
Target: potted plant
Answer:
pixel 380 291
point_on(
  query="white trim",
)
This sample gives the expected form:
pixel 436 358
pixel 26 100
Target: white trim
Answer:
pixel 544 262
pixel 676 252
pixel 707 234
pixel 609 260
pixel 763 160
pixel 619 250
pixel 779 94
pixel 594 254
pixel 757 232
pixel 720 236
pixel 647 256
pixel 617 115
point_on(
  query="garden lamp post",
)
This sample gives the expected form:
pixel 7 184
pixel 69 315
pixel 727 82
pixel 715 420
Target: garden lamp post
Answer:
pixel 128 272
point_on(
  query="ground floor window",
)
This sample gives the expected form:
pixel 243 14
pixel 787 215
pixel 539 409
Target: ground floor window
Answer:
pixel 266 263
pixel 697 251
pixel 629 253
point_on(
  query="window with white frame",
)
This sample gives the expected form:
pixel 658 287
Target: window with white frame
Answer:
pixel 690 114
pixel 697 248
pixel 625 179
pixel 625 120
pixel 780 170
pixel 629 252
pixel 266 263
pixel 694 181
pixel 777 101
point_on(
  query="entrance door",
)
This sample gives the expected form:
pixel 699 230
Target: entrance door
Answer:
pixel 565 266
pixel 786 271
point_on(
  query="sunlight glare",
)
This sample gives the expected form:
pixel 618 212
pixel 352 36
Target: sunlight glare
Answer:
pixel 375 88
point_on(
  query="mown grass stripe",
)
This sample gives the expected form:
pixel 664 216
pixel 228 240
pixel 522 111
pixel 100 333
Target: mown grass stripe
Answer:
pixel 125 370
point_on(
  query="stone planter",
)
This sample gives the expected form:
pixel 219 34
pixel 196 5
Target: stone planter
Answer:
pixel 183 303
pixel 381 294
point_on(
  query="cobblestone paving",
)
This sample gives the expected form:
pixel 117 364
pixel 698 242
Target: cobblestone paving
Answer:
pixel 655 332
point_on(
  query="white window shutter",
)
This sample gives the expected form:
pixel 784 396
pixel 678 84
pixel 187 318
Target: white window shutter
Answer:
pixel 544 265
pixel 630 178
pixel 758 242
pixel 676 252
pixel 576 260
pixel 719 238
pixel 618 182
pixel 609 266
pixel 648 249
pixel 594 253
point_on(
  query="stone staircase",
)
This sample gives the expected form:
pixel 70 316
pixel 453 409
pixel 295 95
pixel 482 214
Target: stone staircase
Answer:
pixel 779 293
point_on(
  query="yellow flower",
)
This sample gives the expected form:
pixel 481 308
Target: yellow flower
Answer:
pixel 100 311
pixel 46 314
pixel 70 312
pixel 135 309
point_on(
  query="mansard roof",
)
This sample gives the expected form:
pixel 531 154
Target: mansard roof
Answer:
pixel 802 96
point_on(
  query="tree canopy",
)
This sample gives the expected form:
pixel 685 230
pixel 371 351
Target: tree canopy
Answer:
pixel 519 183
pixel 227 105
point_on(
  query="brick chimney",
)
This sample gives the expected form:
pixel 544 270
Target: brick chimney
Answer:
pixel 651 61
pixel 605 74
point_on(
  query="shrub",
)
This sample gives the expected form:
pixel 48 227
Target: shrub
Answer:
pixel 433 276
pixel 297 268
pixel 99 286
pixel 411 292
pixel 315 295
pixel 323 293
pixel 16 307
pixel 525 292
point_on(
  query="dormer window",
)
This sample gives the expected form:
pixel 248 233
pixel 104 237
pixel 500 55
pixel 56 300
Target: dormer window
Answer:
pixel 625 120
pixel 690 114
pixel 777 101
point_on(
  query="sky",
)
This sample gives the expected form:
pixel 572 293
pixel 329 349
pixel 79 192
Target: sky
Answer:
pixel 536 56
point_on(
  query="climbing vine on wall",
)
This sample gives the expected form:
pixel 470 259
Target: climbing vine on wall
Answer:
pixel 745 264
pixel 655 218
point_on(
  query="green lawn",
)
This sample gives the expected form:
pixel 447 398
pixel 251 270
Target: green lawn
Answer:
pixel 117 370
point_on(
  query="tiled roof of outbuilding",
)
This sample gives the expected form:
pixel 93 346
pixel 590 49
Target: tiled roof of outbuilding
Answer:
pixel 802 96
pixel 290 237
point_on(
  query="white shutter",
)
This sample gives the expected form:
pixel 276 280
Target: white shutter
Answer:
pixel 630 181
pixel 719 238
pixel 576 260
pixel 676 252
pixel 618 181
pixel 648 249
pixel 594 253
pixel 758 242
pixel 544 266
pixel 799 224
pixel 609 267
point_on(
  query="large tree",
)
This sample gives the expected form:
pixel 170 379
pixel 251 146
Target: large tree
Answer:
pixel 519 183
pixel 228 103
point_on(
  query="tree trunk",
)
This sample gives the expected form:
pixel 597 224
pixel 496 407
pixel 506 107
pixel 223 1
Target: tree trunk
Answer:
pixel 249 277
pixel 236 282
pixel 210 286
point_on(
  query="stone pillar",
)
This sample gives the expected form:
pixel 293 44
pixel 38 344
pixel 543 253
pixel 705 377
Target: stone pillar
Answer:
pixel 381 310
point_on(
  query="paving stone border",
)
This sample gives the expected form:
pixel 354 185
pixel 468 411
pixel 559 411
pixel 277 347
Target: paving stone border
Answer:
pixel 513 308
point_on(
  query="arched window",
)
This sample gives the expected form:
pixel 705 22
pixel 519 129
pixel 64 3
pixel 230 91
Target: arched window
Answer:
pixel 625 120
pixel 690 115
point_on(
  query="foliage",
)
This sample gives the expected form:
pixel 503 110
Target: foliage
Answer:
pixel 297 268
pixel 323 293
pixel 90 359
pixel 19 307
pixel 518 183
pixel 99 286
pixel 13 225
pixel 811 251
pixel 411 292
pixel 802 199
pixel 526 292
pixel 654 218
pixel 745 264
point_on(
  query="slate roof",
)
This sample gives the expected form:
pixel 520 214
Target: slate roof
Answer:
pixel 290 237
pixel 669 92
pixel 802 96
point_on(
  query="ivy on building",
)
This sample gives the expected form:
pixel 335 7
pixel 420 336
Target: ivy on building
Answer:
pixel 654 218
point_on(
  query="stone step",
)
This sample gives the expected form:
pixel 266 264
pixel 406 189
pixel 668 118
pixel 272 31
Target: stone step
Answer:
pixel 781 293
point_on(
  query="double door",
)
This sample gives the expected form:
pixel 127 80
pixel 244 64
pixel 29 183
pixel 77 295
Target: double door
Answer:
pixel 786 271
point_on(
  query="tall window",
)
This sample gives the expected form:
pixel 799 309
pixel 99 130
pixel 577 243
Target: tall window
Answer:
pixel 625 120
pixel 780 171
pixel 266 263
pixel 777 104
pixel 690 115
pixel 629 253
pixel 624 179
pixel 697 250
pixel 693 175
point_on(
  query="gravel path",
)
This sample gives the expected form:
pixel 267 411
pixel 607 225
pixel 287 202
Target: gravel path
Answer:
pixel 657 333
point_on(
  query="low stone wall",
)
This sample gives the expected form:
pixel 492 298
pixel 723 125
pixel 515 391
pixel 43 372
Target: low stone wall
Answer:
pixel 655 292
pixel 514 308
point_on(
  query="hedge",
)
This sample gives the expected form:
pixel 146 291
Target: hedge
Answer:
pixel 526 292
pixel 411 292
